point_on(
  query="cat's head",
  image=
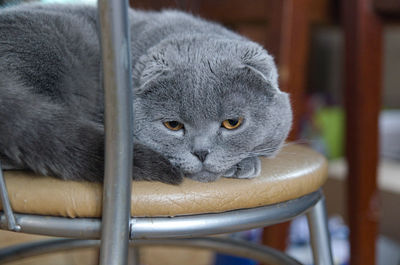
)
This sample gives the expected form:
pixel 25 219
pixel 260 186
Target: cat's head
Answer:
pixel 206 104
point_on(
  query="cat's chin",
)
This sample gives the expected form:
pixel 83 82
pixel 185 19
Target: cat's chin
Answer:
pixel 204 176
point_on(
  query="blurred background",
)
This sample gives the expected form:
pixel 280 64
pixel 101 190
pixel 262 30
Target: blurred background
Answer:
pixel 340 61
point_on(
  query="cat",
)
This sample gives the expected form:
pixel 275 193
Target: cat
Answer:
pixel 206 100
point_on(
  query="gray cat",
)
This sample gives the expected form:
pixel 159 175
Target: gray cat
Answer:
pixel 206 105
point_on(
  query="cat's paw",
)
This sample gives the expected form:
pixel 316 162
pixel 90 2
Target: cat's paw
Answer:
pixel 204 176
pixel 245 169
pixel 150 165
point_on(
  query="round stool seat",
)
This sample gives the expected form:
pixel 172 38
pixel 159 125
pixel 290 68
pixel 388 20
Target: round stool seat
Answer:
pixel 294 172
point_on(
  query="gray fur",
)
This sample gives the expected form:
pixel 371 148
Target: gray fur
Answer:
pixel 184 69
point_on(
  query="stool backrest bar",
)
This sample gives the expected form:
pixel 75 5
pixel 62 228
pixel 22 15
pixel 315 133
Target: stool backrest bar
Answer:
pixel 117 82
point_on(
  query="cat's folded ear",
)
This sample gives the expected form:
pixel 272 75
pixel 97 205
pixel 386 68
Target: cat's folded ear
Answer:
pixel 149 68
pixel 257 61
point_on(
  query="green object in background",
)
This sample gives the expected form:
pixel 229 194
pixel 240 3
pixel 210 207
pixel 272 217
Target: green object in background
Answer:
pixel 330 123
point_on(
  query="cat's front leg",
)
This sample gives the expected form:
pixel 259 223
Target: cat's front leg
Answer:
pixel 245 169
pixel 152 166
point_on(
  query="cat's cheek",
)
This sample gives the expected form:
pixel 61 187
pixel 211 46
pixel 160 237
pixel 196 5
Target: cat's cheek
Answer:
pixel 176 134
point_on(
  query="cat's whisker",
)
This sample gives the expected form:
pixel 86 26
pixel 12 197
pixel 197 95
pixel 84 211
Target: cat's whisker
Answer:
pixel 287 153
pixel 264 151
pixel 299 141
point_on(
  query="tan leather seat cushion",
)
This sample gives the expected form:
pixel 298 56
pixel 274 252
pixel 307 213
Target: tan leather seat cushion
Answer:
pixel 295 171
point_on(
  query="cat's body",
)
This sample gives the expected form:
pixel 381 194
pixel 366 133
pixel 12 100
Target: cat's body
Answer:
pixel 186 72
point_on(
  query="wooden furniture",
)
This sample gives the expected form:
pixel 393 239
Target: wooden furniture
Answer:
pixel 387 9
pixel 363 26
pixel 363 54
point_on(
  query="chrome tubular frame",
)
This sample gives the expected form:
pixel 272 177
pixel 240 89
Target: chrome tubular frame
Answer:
pixel 220 223
pixel 171 227
pixel 117 82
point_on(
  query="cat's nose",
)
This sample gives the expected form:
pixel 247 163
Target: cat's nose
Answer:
pixel 201 154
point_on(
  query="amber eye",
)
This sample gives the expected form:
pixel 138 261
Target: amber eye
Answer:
pixel 231 124
pixel 173 125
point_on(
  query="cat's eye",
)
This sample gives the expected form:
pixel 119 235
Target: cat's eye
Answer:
pixel 231 124
pixel 173 125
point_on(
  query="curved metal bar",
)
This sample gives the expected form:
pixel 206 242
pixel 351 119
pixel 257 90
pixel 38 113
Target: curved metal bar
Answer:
pixel 163 227
pixel 5 202
pixel 83 228
pixel 221 223
pixel 31 249
pixel 224 245
pixel 229 246
pixel 117 82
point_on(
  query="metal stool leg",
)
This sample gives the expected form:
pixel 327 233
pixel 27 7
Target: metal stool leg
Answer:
pixel 5 202
pixel 320 239
pixel 133 256
pixel 117 82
